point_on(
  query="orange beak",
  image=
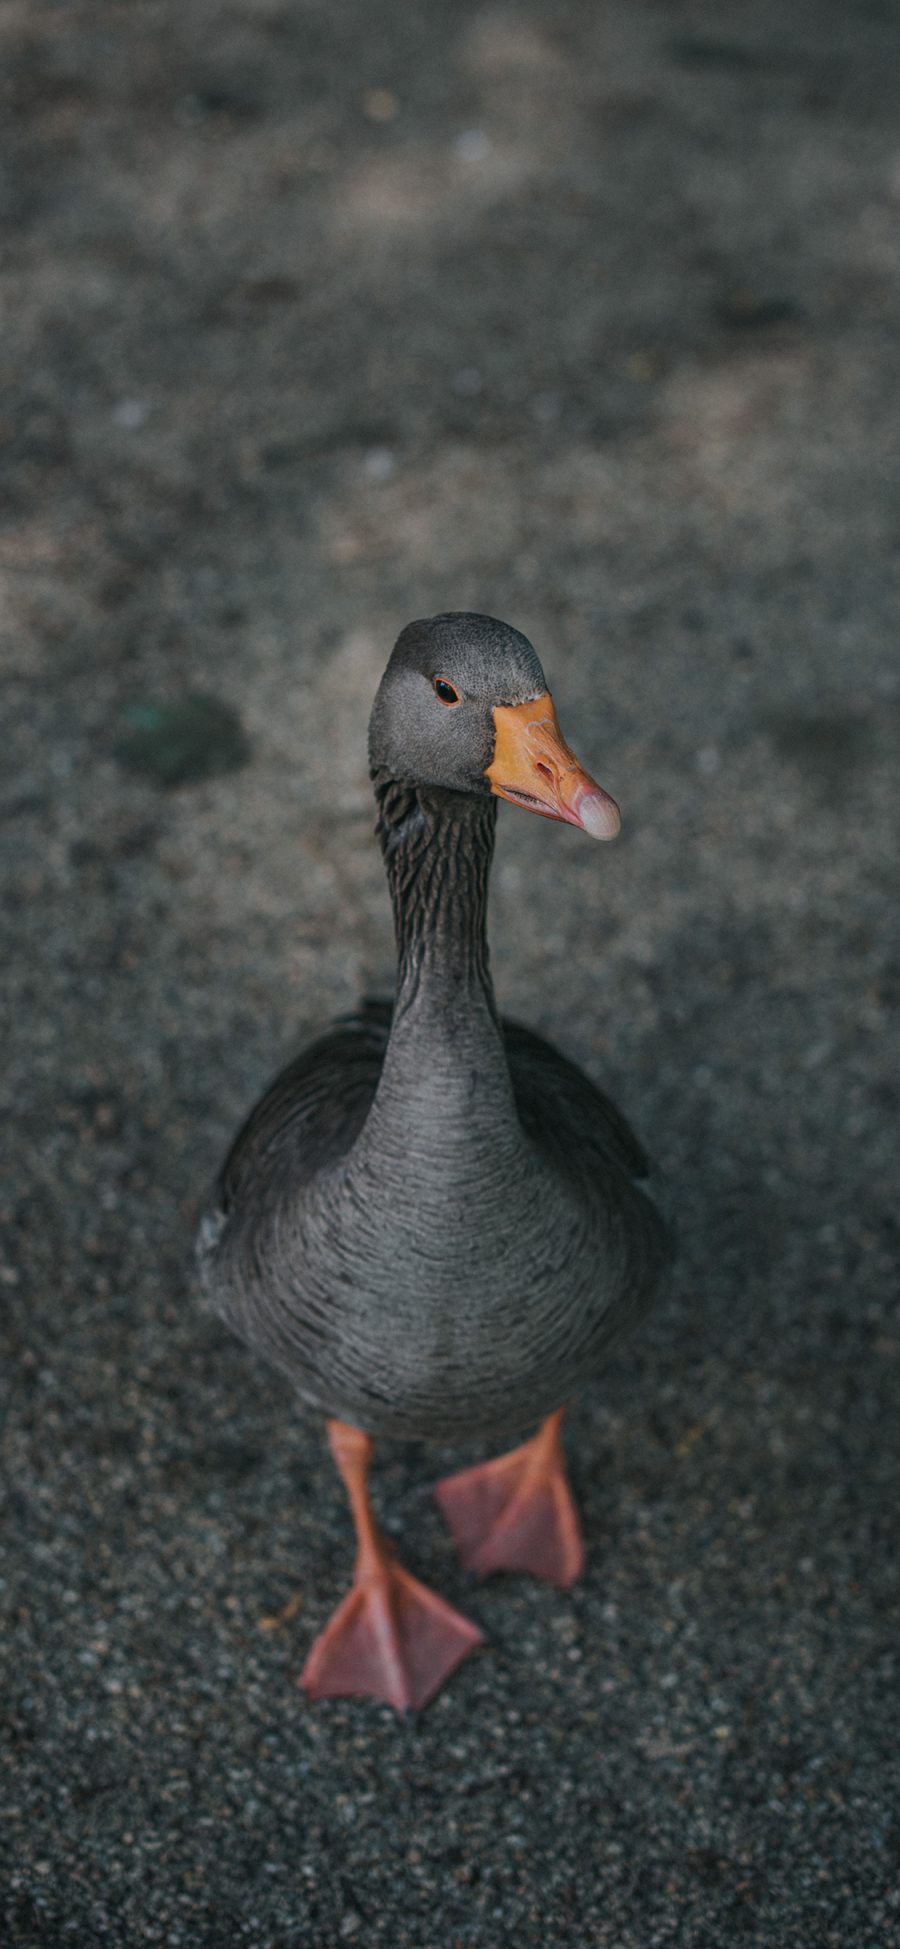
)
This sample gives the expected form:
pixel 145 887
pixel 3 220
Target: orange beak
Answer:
pixel 533 766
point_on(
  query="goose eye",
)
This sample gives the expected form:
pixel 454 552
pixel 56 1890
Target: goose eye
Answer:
pixel 445 691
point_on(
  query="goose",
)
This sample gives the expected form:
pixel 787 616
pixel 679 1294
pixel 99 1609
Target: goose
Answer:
pixel 433 1223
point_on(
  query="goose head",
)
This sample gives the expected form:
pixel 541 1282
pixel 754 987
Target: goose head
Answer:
pixel 463 706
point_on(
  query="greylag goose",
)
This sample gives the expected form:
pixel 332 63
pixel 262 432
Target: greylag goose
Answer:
pixel 433 1223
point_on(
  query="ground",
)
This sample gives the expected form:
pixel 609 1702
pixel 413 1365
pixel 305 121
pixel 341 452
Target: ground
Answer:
pixel 318 318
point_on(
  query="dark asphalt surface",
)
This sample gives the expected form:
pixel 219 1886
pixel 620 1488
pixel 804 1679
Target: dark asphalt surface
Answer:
pixel 316 319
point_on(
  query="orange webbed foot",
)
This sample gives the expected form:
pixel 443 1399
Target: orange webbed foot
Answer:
pixel 392 1639
pixel 516 1512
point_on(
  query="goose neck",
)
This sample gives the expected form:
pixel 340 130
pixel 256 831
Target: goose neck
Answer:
pixel 437 849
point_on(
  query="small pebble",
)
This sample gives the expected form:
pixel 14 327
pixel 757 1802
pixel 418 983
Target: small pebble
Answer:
pixel 380 105
pixel 131 414
pixel 472 145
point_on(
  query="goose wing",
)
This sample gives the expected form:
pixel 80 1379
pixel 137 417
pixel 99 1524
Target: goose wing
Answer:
pixel 312 1110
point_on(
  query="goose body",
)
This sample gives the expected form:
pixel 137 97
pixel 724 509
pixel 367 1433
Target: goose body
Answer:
pixel 432 1222
pixel 460 1282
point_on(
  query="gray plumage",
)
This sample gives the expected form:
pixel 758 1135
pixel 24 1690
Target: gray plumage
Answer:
pixel 432 1222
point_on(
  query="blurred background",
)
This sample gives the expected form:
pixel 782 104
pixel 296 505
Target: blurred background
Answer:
pixel 315 319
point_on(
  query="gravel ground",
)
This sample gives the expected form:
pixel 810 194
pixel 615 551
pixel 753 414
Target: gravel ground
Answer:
pixel 319 318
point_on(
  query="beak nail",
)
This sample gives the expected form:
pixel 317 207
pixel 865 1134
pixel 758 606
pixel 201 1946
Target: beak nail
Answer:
pixel 599 815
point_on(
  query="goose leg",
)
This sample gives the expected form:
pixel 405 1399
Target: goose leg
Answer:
pixel 516 1512
pixel 391 1638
